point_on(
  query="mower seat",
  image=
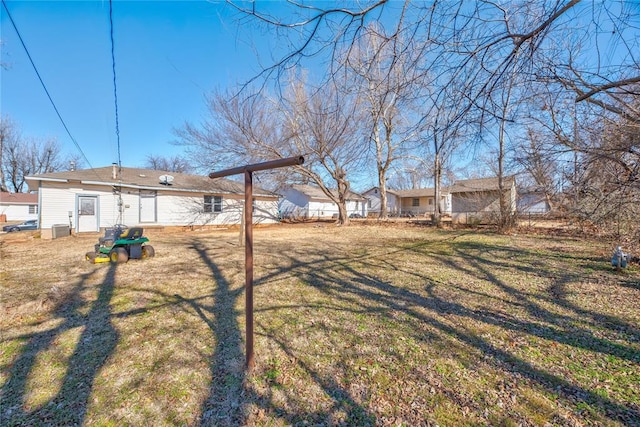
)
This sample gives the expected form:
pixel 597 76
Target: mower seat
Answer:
pixel 132 233
pixel 111 234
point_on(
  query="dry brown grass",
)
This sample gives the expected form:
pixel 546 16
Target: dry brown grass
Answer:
pixel 364 325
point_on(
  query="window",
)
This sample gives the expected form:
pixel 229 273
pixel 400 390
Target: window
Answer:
pixel 213 204
pixel 33 209
pixel 87 206
pixel 369 204
pixel 430 202
pixel 415 202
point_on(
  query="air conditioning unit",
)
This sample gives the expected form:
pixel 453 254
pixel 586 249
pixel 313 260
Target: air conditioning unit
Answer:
pixel 60 230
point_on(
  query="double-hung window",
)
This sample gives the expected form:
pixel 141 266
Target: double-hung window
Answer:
pixel 213 204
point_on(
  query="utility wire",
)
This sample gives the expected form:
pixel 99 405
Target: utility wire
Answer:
pixel 44 86
pixel 115 100
pixel 115 88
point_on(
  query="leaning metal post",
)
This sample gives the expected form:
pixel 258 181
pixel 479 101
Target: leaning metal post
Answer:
pixel 248 233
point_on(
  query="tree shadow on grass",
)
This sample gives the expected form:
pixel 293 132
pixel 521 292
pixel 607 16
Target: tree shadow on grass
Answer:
pixel 95 344
pixel 346 278
pixel 231 393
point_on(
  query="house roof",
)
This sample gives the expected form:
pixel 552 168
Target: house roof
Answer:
pixel 18 198
pixel 480 184
pixel 418 192
pixel 460 186
pixel 314 192
pixel 394 192
pixel 148 179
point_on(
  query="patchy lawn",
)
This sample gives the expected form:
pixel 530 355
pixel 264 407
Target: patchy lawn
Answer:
pixel 364 325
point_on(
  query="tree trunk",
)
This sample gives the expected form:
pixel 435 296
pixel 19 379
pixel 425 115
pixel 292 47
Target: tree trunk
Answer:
pixel 437 178
pixel 343 218
pixel 383 196
pixel 343 191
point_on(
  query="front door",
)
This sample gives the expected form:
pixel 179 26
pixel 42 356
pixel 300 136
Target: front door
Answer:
pixel 88 214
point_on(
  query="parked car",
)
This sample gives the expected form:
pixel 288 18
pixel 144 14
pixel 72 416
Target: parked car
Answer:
pixel 31 224
pixel 355 215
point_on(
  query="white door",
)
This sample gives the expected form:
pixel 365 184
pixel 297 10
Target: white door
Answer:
pixel 88 214
pixel 147 206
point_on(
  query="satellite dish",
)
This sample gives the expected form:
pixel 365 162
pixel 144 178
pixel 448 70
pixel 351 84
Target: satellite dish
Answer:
pixel 166 179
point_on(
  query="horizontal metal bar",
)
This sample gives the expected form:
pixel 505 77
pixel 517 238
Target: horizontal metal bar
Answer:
pixel 273 164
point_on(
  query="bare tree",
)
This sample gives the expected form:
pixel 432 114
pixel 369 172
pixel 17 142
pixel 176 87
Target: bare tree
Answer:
pixel 8 136
pixel 540 162
pixel 174 163
pixel 321 124
pixel 23 158
pixel 386 76
pixel 410 173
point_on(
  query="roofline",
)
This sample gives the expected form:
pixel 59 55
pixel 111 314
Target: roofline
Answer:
pixel 2 202
pixel 35 178
pixel 143 187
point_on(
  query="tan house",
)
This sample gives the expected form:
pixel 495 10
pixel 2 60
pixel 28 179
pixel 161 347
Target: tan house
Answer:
pixel 468 200
pixel 478 200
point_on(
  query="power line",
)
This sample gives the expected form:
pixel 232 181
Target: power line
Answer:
pixel 115 88
pixel 24 46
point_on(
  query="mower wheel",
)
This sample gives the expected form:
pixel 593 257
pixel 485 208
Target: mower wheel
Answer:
pixel 148 251
pixel 90 256
pixel 118 255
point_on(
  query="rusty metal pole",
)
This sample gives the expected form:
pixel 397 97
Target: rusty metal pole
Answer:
pixel 248 256
pixel 248 234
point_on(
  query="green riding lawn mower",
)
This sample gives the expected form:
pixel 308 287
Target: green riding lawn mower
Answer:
pixel 120 244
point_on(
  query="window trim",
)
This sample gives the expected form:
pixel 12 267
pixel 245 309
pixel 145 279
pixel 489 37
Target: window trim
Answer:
pixel 213 205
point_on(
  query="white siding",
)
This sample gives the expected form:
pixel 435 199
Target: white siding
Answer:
pixel 322 209
pixel 373 195
pixel 293 203
pixel 373 199
pixel 55 204
pixel 15 212
pixel 298 204
pixel 174 208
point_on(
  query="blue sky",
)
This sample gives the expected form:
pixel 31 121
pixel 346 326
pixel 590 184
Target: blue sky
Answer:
pixel 168 56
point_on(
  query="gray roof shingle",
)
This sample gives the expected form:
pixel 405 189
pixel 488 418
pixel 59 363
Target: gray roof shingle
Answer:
pixel 149 179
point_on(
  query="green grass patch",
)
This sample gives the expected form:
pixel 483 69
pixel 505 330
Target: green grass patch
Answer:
pixel 373 325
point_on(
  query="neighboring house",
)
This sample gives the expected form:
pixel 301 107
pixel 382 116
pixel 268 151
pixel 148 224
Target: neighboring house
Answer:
pixel 476 200
pixel 533 201
pixel 18 206
pixel 307 201
pixel 91 199
pixel 466 200
pixel 421 201
pixel 416 202
pixel 374 203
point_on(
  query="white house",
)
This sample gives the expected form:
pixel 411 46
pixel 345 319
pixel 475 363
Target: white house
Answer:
pixel 374 202
pixel 18 206
pixel 91 199
pixel 307 201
